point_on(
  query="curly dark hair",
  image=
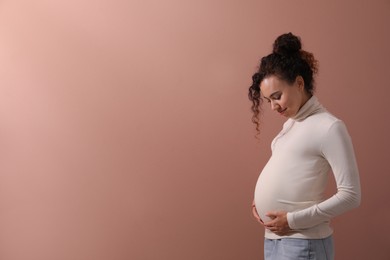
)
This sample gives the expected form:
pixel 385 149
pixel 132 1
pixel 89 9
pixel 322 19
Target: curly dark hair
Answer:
pixel 287 61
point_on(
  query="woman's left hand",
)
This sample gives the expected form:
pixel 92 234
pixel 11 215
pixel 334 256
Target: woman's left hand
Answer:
pixel 278 223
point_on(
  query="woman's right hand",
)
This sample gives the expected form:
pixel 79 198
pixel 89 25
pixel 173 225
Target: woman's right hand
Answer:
pixel 255 214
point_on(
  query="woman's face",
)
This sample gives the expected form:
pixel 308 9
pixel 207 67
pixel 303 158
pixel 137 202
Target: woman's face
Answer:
pixel 284 98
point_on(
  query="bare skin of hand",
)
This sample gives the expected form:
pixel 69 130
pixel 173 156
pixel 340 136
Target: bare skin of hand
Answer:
pixel 278 223
pixel 255 214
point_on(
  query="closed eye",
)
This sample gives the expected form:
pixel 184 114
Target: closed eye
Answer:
pixel 273 98
pixel 276 96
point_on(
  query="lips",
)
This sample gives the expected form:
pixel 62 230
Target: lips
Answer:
pixel 282 111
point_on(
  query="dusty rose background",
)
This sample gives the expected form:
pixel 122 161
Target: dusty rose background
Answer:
pixel 125 127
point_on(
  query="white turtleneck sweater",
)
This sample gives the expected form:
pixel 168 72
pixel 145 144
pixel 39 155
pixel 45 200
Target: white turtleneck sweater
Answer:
pixel 295 177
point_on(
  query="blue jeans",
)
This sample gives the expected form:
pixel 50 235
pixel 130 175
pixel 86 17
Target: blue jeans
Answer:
pixel 296 248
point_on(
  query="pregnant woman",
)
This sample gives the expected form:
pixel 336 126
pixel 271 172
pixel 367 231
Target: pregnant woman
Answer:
pixel 289 196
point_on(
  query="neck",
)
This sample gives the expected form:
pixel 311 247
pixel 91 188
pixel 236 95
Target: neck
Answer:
pixel 305 98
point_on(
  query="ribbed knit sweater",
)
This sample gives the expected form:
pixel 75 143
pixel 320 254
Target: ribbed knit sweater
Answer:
pixel 310 145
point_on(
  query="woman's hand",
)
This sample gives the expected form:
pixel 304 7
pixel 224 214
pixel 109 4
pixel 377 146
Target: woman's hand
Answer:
pixel 255 214
pixel 278 223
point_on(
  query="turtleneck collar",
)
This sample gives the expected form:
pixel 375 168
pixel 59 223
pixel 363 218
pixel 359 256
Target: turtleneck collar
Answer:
pixel 311 107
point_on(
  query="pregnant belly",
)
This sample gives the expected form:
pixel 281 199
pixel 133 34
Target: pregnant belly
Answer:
pixel 279 194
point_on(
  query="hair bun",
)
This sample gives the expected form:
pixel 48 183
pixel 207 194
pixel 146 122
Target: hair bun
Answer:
pixel 287 45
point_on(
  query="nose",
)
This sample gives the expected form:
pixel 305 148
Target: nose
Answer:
pixel 274 105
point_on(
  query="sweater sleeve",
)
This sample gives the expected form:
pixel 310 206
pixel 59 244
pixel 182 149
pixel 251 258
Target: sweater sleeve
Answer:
pixel 338 151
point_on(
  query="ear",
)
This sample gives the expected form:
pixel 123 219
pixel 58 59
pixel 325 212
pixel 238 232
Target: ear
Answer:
pixel 300 82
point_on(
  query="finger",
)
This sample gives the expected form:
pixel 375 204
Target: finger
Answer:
pixel 273 229
pixel 272 214
pixel 258 219
pixel 270 222
pixel 255 215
